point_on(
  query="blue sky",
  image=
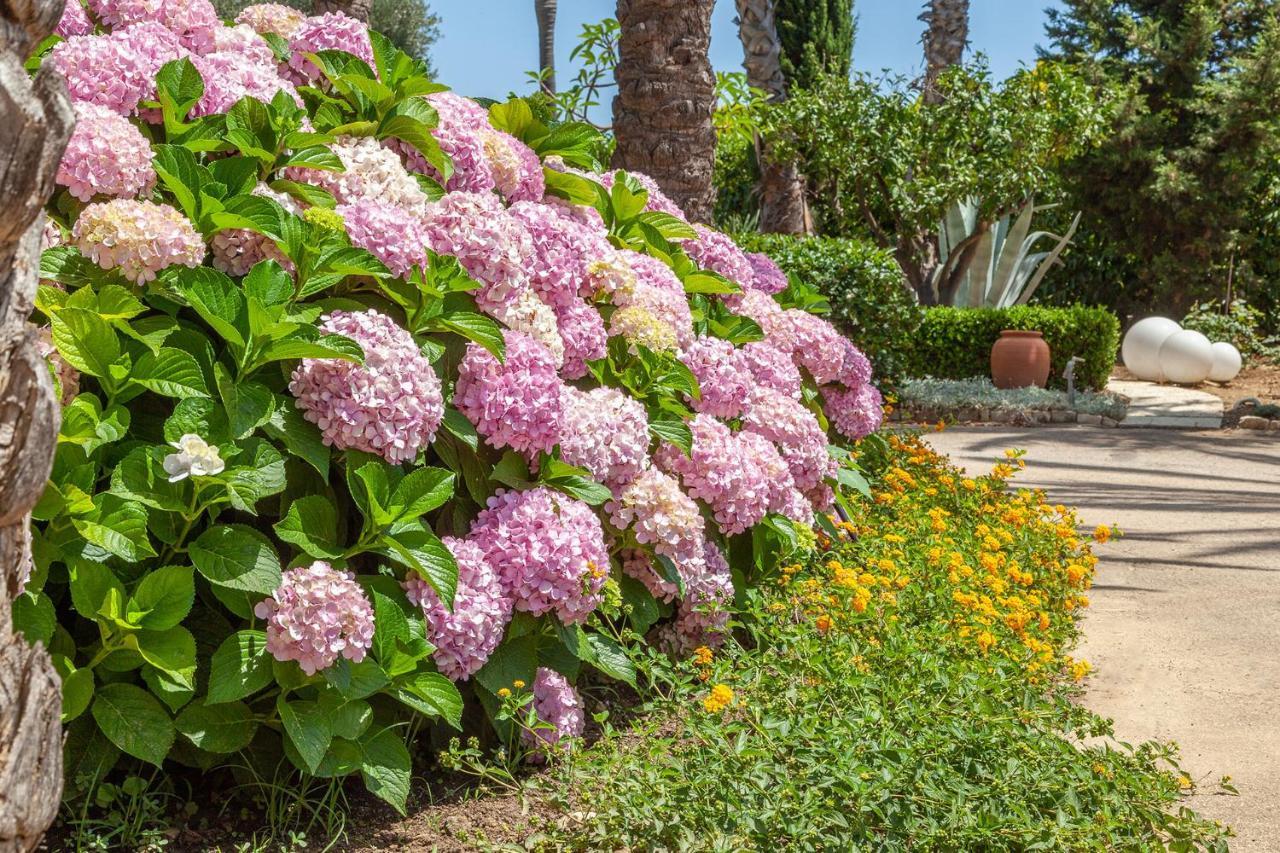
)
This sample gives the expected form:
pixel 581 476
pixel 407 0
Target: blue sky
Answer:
pixel 488 45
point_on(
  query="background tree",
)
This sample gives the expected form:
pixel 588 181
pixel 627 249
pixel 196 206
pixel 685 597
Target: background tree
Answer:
pixel 817 39
pixel 945 40
pixel 882 165
pixel 35 123
pixel 546 13
pixel 666 95
pixel 1175 200
pixel 782 202
pixel 355 8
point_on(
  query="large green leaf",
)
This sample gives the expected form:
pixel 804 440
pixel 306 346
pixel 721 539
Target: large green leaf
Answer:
pixel 241 666
pixel 432 694
pixel 117 526
pixel 307 725
pixel 386 767
pixel 86 341
pixel 311 524
pixel 171 373
pixel 134 721
pixel 237 557
pixel 220 728
pixel 163 598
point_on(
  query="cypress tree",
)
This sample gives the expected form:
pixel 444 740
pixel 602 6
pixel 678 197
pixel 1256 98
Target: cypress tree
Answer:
pixel 817 39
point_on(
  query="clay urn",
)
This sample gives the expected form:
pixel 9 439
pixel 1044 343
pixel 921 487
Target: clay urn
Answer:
pixel 1020 359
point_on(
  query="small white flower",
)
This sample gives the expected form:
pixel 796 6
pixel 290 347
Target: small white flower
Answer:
pixel 195 458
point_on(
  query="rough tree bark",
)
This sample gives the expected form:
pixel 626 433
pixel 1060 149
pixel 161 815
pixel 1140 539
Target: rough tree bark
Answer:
pixel 355 8
pixel 35 123
pixel 546 12
pixel 944 41
pixel 666 95
pixel 782 201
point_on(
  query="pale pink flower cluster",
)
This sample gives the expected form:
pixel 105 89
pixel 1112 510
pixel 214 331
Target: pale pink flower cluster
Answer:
pixel 855 412
pixel 724 472
pixel 389 232
pixel 606 432
pixel 317 615
pixel 526 312
pixel 371 172
pixel 139 238
pixel 467 634
pixel 772 368
pixel 658 291
pixel 390 405
pixel 237 250
pixel 273 18
pixel 490 243
pixel 74 21
pixel 661 517
pixel 515 403
pixel 517 171
pixel 717 252
pixel 559 707
pixel 723 377
pixel 458 133
pixel 230 75
pixel 179 16
pixel 583 334
pixel 703 614
pixel 769 277
pixel 641 328
pixel 117 70
pixel 548 549
pixel 107 155
pixel 331 31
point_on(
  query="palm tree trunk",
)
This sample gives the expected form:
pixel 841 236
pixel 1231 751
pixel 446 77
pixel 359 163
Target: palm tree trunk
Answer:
pixel 35 123
pixel 546 12
pixel 666 95
pixel 782 201
pixel 945 40
pixel 358 9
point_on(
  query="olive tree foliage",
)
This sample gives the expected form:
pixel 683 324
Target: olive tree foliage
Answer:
pixel 881 163
pixel 410 24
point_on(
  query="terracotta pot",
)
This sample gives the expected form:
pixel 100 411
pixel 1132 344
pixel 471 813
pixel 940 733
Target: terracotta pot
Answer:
pixel 1019 360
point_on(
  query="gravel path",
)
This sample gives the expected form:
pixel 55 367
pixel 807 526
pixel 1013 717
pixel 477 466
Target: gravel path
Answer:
pixel 1184 627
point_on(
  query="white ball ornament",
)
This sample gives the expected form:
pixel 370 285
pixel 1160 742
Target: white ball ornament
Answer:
pixel 1226 362
pixel 1141 349
pixel 1186 357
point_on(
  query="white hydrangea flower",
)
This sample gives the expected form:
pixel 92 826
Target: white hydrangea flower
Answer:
pixel 195 458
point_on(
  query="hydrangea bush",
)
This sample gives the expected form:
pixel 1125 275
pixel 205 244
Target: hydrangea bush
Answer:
pixel 378 398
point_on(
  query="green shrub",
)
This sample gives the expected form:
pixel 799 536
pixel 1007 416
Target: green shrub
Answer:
pixel 1240 326
pixel 955 343
pixel 864 284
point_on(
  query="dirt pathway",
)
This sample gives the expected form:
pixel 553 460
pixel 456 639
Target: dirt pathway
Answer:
pixel 1184 629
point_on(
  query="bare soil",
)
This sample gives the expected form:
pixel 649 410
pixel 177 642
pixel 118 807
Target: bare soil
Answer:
pixel 1260 381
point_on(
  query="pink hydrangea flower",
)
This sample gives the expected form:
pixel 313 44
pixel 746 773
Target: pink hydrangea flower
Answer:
pixel 527 313
pixel 391 405
pixel 724 472
pixel 391 233
pixel 583 334
pixel 230 75
pixel 855 367
pixel 517 171
pixel 703 615
pixel 559 707
pixel 237 250
pixel 371 172
pixel 315 616
pixel 855 413
pixel 139 238
pixel 769 277
pixel 272 18
pixel 723 377
pixel 664 518
pixel 817 346
pixel 563 250
pixel 548 549
pixel 606 432
pixel 772 368
pixel 74 21
pixel 641 328
pixel 658 291
pixel 465 636
pixel 118 70
pixel 331 31
pixel 491 244
pixel 178 16
pixel 107 155
pixel 517 403
pixel 768 314
pixel 784 498
pixel 714 251
pixel 461 135
pixel 801 440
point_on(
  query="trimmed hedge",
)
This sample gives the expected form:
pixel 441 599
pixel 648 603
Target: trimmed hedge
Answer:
pixel 869 300
pixel 955 343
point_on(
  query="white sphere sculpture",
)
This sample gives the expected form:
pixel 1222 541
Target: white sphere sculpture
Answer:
pixel 1186 357
pixel 1141 349
pixel 1226 362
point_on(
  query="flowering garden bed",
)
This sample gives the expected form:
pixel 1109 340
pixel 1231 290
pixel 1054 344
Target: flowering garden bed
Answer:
pixel 377 401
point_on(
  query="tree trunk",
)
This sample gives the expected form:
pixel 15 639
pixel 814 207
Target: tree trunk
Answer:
pixel 546 12
pixel 782 202
pixel 666 95
pixel 35 123
pixel 944 41
pixel 358 9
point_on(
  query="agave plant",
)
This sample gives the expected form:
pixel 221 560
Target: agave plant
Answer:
pixel 997 268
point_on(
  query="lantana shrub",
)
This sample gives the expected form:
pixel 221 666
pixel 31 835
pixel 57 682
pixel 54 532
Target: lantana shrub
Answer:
pixel 378 398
